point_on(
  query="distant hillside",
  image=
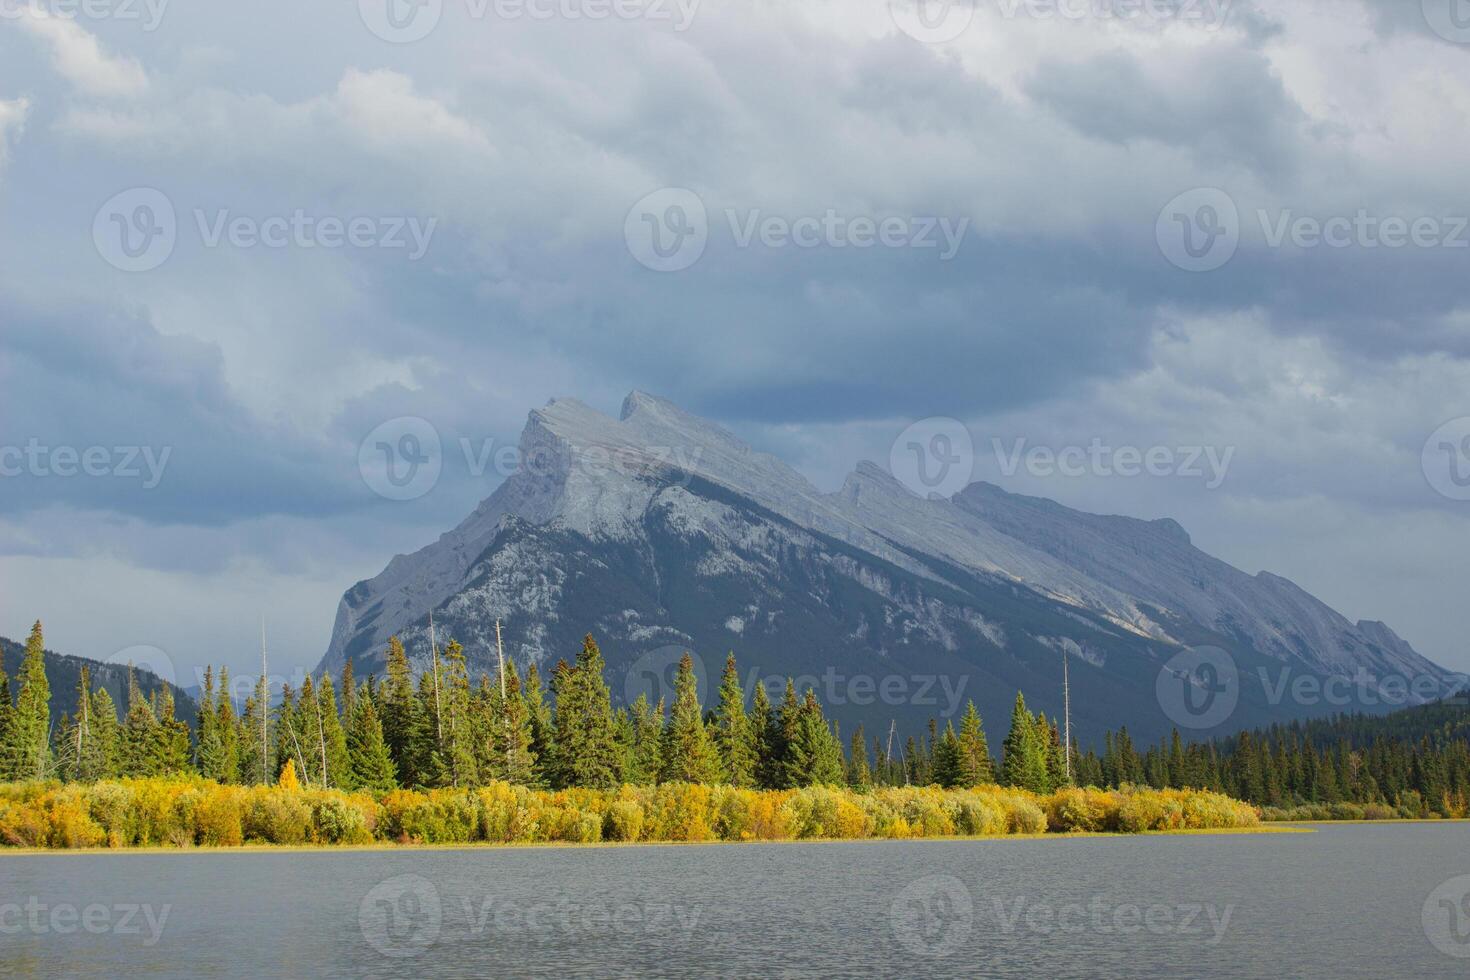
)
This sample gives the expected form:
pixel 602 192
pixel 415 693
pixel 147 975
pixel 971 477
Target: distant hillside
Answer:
pixel 63 671
pixel 1440 723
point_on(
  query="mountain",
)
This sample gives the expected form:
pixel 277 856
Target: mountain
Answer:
pixel 659 532
pixel 63 672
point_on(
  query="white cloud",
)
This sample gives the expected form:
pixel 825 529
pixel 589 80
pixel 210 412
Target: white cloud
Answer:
pixel 78 57
pixel 13 113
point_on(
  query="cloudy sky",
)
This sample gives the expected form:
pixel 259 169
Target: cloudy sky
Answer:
pixel 236 239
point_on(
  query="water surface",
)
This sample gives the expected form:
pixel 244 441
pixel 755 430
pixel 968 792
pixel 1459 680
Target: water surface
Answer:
pixel 1344 901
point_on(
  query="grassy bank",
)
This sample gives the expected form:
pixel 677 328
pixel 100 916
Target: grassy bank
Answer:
pixel 1332 812
pixel 190 813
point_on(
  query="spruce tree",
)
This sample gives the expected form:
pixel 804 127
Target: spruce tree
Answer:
pixel 766 736
pixel 975 765
pixel 814 755
pixel 687 754
pixel 139 735
pixel 367 752
pixel 106 735
pixel 172 750
pixel 542 728
pixel 732 730
pixel 794 763
pixel 859 775
pixel 459 743
pixel 1024 761
pixel 209 746
pixel 229 731
pixel 333 739
pixel 513 736
pixel 587 752
pixel 400 710
pixel 647 753
pixel 947 771
pixel 28 748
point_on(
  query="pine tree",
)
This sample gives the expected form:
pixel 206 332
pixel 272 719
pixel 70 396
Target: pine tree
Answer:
pixel 732 730
pixel 28 746
pixel 687 754
pixel 367 752
pixel 400 709
pixel 1024 759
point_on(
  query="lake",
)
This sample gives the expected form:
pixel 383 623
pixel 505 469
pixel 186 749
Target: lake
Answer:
pixel 1349 900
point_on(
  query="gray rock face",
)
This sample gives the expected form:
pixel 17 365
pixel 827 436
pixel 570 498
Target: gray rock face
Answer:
pixel 659 531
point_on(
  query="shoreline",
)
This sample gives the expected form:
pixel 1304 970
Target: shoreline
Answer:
pixel 386 847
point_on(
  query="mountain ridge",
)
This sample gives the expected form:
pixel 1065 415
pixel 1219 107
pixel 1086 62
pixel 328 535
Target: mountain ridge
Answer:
pixel 719 545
